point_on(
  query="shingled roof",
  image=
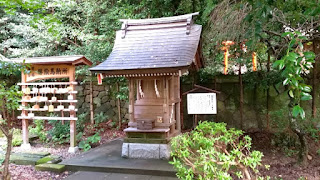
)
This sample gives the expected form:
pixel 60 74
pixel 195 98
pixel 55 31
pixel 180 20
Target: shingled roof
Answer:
pixel 71 59
pixel 170 42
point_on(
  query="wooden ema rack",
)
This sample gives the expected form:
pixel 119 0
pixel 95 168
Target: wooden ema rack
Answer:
pixel 42 68
pixel 47 85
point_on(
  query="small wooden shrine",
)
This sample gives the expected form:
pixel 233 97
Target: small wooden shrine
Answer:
pixel 152 54
pixel 58 97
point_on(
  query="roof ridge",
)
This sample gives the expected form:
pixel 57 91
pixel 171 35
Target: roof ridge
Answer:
pixel 163 20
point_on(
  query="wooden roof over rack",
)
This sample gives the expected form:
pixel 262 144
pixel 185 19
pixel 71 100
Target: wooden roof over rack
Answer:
pixel 148 45
pixel 71 59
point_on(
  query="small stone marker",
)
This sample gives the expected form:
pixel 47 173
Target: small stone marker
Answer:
pixel 51 159
pixel 58 168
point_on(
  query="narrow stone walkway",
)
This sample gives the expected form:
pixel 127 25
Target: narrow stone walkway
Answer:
pixel 107 158
pixel 85 175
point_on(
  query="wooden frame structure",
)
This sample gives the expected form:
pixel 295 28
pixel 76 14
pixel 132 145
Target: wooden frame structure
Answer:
pixel 198 88
pixel 42 68
pixel 153 54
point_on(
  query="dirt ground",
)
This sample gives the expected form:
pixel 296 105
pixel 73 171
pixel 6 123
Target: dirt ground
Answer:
pixel 21 172
pixel 283 165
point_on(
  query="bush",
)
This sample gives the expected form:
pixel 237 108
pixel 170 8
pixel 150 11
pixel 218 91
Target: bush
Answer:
pixel 101 117
pixel 17 137
pixel 39 130
pixel 59 133
pixel 86 144
pixel 212 151
pixel 81 122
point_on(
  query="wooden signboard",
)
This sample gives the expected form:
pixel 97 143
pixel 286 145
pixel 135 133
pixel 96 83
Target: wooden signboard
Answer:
pixel 202 103
pixel 38 72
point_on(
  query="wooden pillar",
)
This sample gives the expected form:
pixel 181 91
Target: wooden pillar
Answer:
pixel 177 89
pixel 131 99
pixel 166 101
pixel 119 107
pixel 25 122
pixel 73 141
pixel 91 101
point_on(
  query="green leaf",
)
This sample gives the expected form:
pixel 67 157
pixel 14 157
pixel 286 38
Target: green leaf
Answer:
pixel 279 64
pixel 309 55
pixel 291 93
pixel 292 56
pixel 286 34
pixel 305 96
pixel 306 88
pixel 286 81
pixel 298 110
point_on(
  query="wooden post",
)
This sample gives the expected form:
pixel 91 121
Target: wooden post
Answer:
pixel 25 122
pixel 73 141
pixel 166 101
pixel 91 102
pixel 119 107
pixel 62 115
pixel 178 118
pixel 131 99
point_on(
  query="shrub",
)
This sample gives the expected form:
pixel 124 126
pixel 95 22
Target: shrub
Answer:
pixel 212 151
pixel 101 117
pixel 39 130
pixel 81 122
pixel 59 133
pixel 17 137
pixel 86 144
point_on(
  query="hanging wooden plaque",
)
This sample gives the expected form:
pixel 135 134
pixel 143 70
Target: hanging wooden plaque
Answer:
pixel 38 72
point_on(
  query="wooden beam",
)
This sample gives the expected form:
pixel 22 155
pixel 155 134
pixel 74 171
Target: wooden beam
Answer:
pixel 178 117
pixel 91 102
pixel 25 122
pixel 48 118
pixel 131 99
pixel 73 133
pixel 166 101
pixel 48 83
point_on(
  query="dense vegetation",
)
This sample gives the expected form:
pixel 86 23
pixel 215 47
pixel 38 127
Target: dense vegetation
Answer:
pixel 276 30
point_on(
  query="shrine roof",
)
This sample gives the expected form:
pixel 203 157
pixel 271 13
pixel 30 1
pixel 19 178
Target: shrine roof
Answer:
pixel 149 44
pixel 71 59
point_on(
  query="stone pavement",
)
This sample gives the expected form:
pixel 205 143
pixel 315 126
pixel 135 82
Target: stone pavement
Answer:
pixel 86 175
pixel 107 159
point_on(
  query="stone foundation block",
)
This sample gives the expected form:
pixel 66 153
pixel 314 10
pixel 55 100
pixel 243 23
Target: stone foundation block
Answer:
pixel 145 151
pixel 58 168
pixel 125 150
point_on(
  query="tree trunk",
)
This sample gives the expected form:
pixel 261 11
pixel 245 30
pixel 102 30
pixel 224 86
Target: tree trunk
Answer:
pixel 295 127
pixel 268 93
pixel 6 173
pixel 241 97
pixel 314 81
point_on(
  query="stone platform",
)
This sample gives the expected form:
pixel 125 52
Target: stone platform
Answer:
pixel 107 158
pixel 146 151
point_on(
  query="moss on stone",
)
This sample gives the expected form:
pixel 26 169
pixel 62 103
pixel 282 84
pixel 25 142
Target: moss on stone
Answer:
pixel 49 159
pixel 58 168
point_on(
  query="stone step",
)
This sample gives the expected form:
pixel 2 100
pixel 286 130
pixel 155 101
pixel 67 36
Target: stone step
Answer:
pixel 58 168
pixel 107 158
pixel 25 158
pixel 51 159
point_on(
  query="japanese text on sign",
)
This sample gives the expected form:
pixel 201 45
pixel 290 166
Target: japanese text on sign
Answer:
pixel 202 103
pixel 37 72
